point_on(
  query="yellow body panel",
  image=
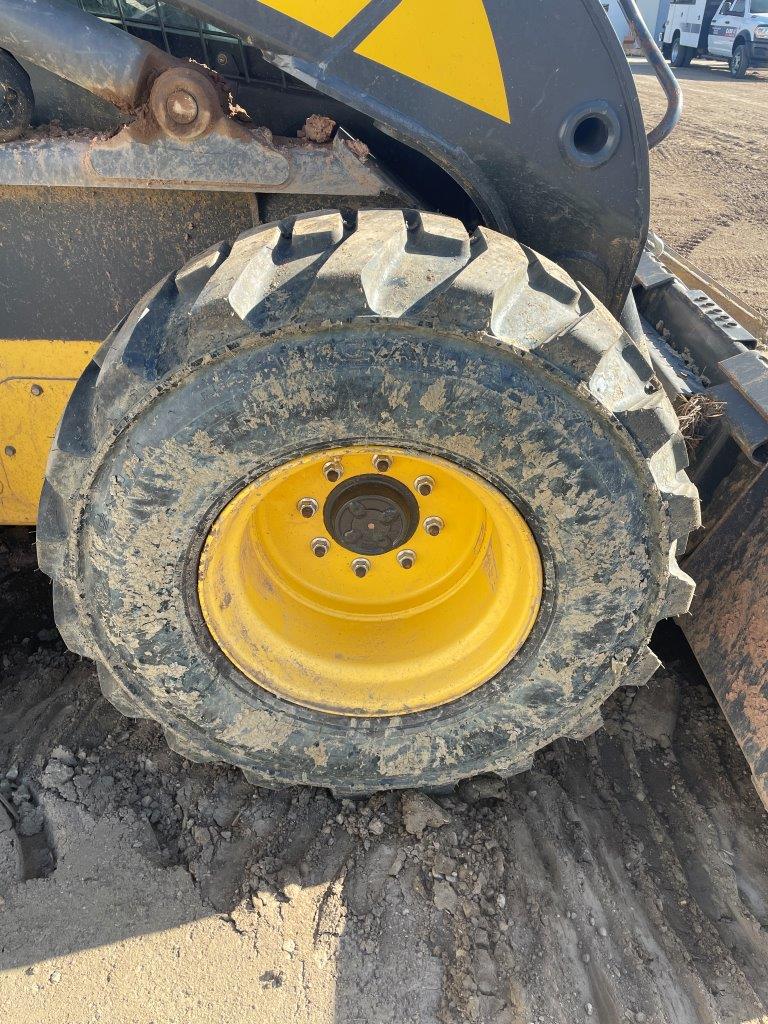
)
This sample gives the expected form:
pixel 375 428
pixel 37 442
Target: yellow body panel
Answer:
pixel 445 44
pixel 328 16
pixel 36 380
pixel 398 640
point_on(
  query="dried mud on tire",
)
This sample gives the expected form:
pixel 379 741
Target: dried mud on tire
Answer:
pixel 390 327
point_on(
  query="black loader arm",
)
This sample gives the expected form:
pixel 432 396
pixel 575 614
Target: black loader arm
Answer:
pixel 529 106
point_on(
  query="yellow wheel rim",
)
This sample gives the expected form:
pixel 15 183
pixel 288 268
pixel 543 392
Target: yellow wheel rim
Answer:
pixel 303 601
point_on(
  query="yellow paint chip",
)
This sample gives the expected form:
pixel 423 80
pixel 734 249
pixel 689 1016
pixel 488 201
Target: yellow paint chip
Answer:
pixel 445 44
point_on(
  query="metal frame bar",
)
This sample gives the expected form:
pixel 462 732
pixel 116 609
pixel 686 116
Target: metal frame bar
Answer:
pixel 663 72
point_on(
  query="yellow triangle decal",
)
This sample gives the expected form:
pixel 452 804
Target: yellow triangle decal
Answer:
pixel 328 16
pixel 445 44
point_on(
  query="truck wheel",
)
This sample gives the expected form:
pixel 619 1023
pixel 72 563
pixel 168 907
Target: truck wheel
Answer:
pixel 666 50
pixel 367 504
pixel 680 54
pixel 740 61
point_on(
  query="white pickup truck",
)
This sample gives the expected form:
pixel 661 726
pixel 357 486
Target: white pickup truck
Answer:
pixel 731 30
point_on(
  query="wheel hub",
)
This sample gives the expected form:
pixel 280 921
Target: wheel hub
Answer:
pixel 371 514
pixel 370 593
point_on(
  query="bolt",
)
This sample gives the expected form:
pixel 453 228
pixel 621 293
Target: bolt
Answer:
pixel 221 58
pixel 10 451
pixel 320 547
pixel 11 95
pixel 433 525
pixel 424 485
pixel 182 107
pixel 36 390
pixel 406 558
pixel 361 567
pixel 382 463
pixel 333 471
pixel 307 507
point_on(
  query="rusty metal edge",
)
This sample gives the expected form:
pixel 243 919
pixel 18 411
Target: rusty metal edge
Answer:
pixel 727 627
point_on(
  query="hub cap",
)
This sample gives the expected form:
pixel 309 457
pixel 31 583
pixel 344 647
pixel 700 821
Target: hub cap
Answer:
pixel 359 591
pixel 371 514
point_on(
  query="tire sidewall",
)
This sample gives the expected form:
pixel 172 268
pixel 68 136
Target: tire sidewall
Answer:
pixel 577 478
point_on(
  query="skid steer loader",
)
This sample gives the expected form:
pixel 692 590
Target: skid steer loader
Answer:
pixel 378 478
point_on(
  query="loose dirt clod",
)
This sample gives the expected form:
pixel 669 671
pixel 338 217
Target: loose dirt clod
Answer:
pixel 420 813
pixel 317 128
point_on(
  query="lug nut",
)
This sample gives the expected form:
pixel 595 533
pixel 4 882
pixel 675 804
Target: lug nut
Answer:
pixel 406 558
pixel 382 463
pixel 182 107
pixel 361 567
pixel 320 547
pixel 333 471
pixel 433 525
pixel 424 485
pixel 307 507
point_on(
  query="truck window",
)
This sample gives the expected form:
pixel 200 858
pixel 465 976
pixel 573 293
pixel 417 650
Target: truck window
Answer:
pixel 738 7
pixel 759 7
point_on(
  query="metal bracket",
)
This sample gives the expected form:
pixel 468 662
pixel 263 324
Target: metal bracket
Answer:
pixel 724 351
pixel 229 158
pixel 748 372
pixel 185 135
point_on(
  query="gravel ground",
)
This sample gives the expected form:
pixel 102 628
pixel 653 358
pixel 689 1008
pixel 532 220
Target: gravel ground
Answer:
pixel 622 879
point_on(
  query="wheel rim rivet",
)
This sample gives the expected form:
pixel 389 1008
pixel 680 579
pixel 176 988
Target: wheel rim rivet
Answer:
pixel 333 471
pixel 361 567
pixel 406 558
pixel 307 507
pixel 382 463
pixel 433 525
pixel 424 485
pixel 320 547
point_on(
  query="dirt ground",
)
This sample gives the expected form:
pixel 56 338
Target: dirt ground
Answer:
pixel 622 879
pixel 709 179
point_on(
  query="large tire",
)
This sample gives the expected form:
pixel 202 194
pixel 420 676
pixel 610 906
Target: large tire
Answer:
pixel 399 328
